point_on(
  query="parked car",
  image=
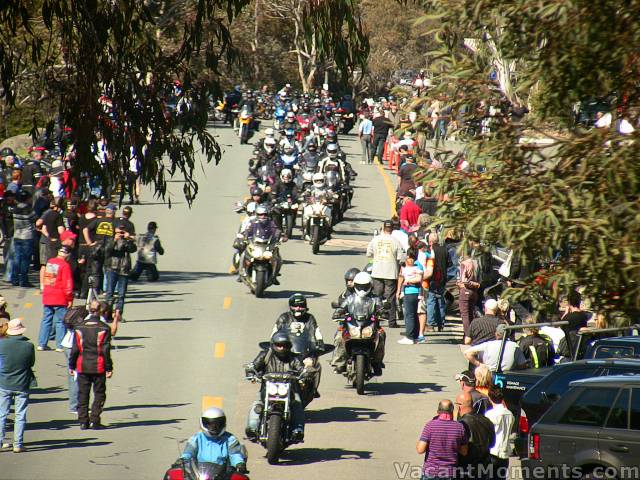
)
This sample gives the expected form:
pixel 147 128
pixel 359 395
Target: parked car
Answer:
pixel 594 430
pixel 546 392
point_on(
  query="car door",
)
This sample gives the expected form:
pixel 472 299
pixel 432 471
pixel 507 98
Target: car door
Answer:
pixel 619 440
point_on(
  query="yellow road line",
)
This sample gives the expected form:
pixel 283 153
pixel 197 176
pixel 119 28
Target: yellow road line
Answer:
pixel 391 192
pixel 218 350
pixel 208 402
pixel 227 303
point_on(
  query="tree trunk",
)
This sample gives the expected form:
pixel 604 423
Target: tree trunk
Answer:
pixel 255 43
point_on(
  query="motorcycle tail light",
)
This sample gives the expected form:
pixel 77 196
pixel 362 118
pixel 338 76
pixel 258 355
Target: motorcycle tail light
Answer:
pixel 174 474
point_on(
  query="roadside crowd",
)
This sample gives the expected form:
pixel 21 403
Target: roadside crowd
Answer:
pixel 81 250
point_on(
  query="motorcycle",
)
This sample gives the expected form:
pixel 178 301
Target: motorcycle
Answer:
pixel 259 265
pixel 288 210
pixel 203 471
pixel 304 123
pixel 317 227
pixel 275 415
pixel 341 201
pixel 360 340
pixel 246 120
pixel 220 111
pixel 278 117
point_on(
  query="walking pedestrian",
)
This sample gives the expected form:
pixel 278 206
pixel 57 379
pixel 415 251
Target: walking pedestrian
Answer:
pixel 410 285
pixel 17 357
pixel 149 247
pixel 441 440
pixel 365 129
pixel 381 127
pixel 386 252
pixel 481 436
pixel 437 276
pixel 503 421
pixel 90 362
pixel 57 297
pixel 117 264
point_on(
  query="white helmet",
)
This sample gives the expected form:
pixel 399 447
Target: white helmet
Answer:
pixel 251 208
pixel 332 150
pixel 362 284
pixel 269 144
pixel 286 173
pixel 213 422
pixel 318 179
pixel 269 132
pixel 290 115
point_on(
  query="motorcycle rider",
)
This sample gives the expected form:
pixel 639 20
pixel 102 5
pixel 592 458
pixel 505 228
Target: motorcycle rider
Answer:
pixel 268 133
pixel 263 227
pixel 239 243
pixel 363 301
pixel 290 122
pixel 277 359
pixel 318 192
pixel 310 158
pixel 288 140
pixel 265 156
pixel 299 313
pixel 289 156
pixel 214 444
pixel 281 191
pixel 332 162
pixel 349 275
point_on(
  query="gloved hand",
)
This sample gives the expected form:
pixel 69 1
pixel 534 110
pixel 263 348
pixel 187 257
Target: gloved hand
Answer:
pixel 242 468
pixel 179 463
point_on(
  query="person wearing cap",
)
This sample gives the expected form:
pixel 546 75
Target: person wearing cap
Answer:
pixel 387 253
pixel 57 297
pixel 117 266
pixel 56 176
pixel 50 225
pixel 17 357
pixel 488 353
pixel 483 329
pixel 23 232
pixel 480 401
pixel 149 247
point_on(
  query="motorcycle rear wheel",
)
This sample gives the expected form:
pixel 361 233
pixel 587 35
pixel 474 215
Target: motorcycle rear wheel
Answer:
pixel 360 367
pixel 261 283
pixel 315 239
pixel 274 436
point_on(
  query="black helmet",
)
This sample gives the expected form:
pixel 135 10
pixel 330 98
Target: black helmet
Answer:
pixel 350 274
pixel 281 344
pixel 255 191
pixel 297 305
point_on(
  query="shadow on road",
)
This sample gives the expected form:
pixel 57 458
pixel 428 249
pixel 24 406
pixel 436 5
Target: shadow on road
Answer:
pixel 181 277
pixel 53 424
pixel 154 294
pixel 343 414
pixel 44 391
pixel 42 445
pixel 306 456
pixel 118 337
pixel 47 399
pixel 146 405
pixel 339 253
pixel 144 423
pixel 175 319
pixel 393 388
pixel 288 293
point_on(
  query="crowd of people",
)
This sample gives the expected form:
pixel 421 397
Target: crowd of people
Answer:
pixel 81 251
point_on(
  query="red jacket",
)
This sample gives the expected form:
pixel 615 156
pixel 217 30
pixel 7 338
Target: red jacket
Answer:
pixel 58 283
pixel 409 214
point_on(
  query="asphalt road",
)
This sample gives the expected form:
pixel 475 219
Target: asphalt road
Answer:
pixel 187 336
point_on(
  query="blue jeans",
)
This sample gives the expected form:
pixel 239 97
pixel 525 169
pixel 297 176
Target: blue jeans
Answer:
pixel 116 284
pixel 410 303
pixel 8 260
pixel 21 400
pixel 436 308
pixel 21 260
pixel 73 386
pixel 51 316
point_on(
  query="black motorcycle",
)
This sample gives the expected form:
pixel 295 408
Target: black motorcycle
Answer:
pixel 259 265
pixel 287 211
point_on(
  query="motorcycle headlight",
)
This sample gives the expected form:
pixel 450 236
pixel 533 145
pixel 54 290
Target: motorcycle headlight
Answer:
pixel 272 389
pixel 294 206
pixel 267 255
pixel 257 252
pixel 354 332
pixel 283 389
pixel 367 332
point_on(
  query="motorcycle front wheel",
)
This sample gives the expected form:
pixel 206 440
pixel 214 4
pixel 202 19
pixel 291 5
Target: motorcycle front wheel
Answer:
pixel 315 239
pixel 360 367
pixel 274 435
pixel 261 283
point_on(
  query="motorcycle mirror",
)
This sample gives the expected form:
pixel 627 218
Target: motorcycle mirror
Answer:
pixel 334 304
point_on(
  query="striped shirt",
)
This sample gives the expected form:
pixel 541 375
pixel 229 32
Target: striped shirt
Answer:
pixel 24 220
pixel 443 438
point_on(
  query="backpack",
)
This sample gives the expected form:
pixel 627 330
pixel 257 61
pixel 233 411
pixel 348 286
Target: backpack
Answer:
pixel 74 317
pixel 539 351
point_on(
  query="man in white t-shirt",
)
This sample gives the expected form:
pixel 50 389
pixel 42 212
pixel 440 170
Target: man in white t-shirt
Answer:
pixel 488 353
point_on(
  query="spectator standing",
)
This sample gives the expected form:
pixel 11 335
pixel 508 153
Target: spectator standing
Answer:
pixel 117 264
pixel 17 357
pixel 32 170
pixel 51 226
pixel 512 357
pixel 437 276
pixel 502 420
pixel 7 207
pixel 537 348
pixel 85 256
pixel 90 362
pixel 97 233
pixel 57 297
pixel 126 222
pixel 24 230
pixel 481 434
pixel 468 287
pixel 406 183
pixel 387 253
pixel 365 129
pixel 149 247
pixel 381 127
pixel 410 285
pixel 483 329
pixel 15 185
pixel 409 213
pixel 442 440
pixel 480 401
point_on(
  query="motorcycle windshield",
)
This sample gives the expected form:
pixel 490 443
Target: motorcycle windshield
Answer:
pixel 360 309
pixel 300 344
pixel 208 470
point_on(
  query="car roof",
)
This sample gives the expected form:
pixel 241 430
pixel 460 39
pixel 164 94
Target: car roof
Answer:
pixel 608 381
pixel 627 339
pixel 635 362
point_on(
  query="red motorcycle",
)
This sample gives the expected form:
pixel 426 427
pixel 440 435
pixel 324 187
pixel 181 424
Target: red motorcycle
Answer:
pixel 304 127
